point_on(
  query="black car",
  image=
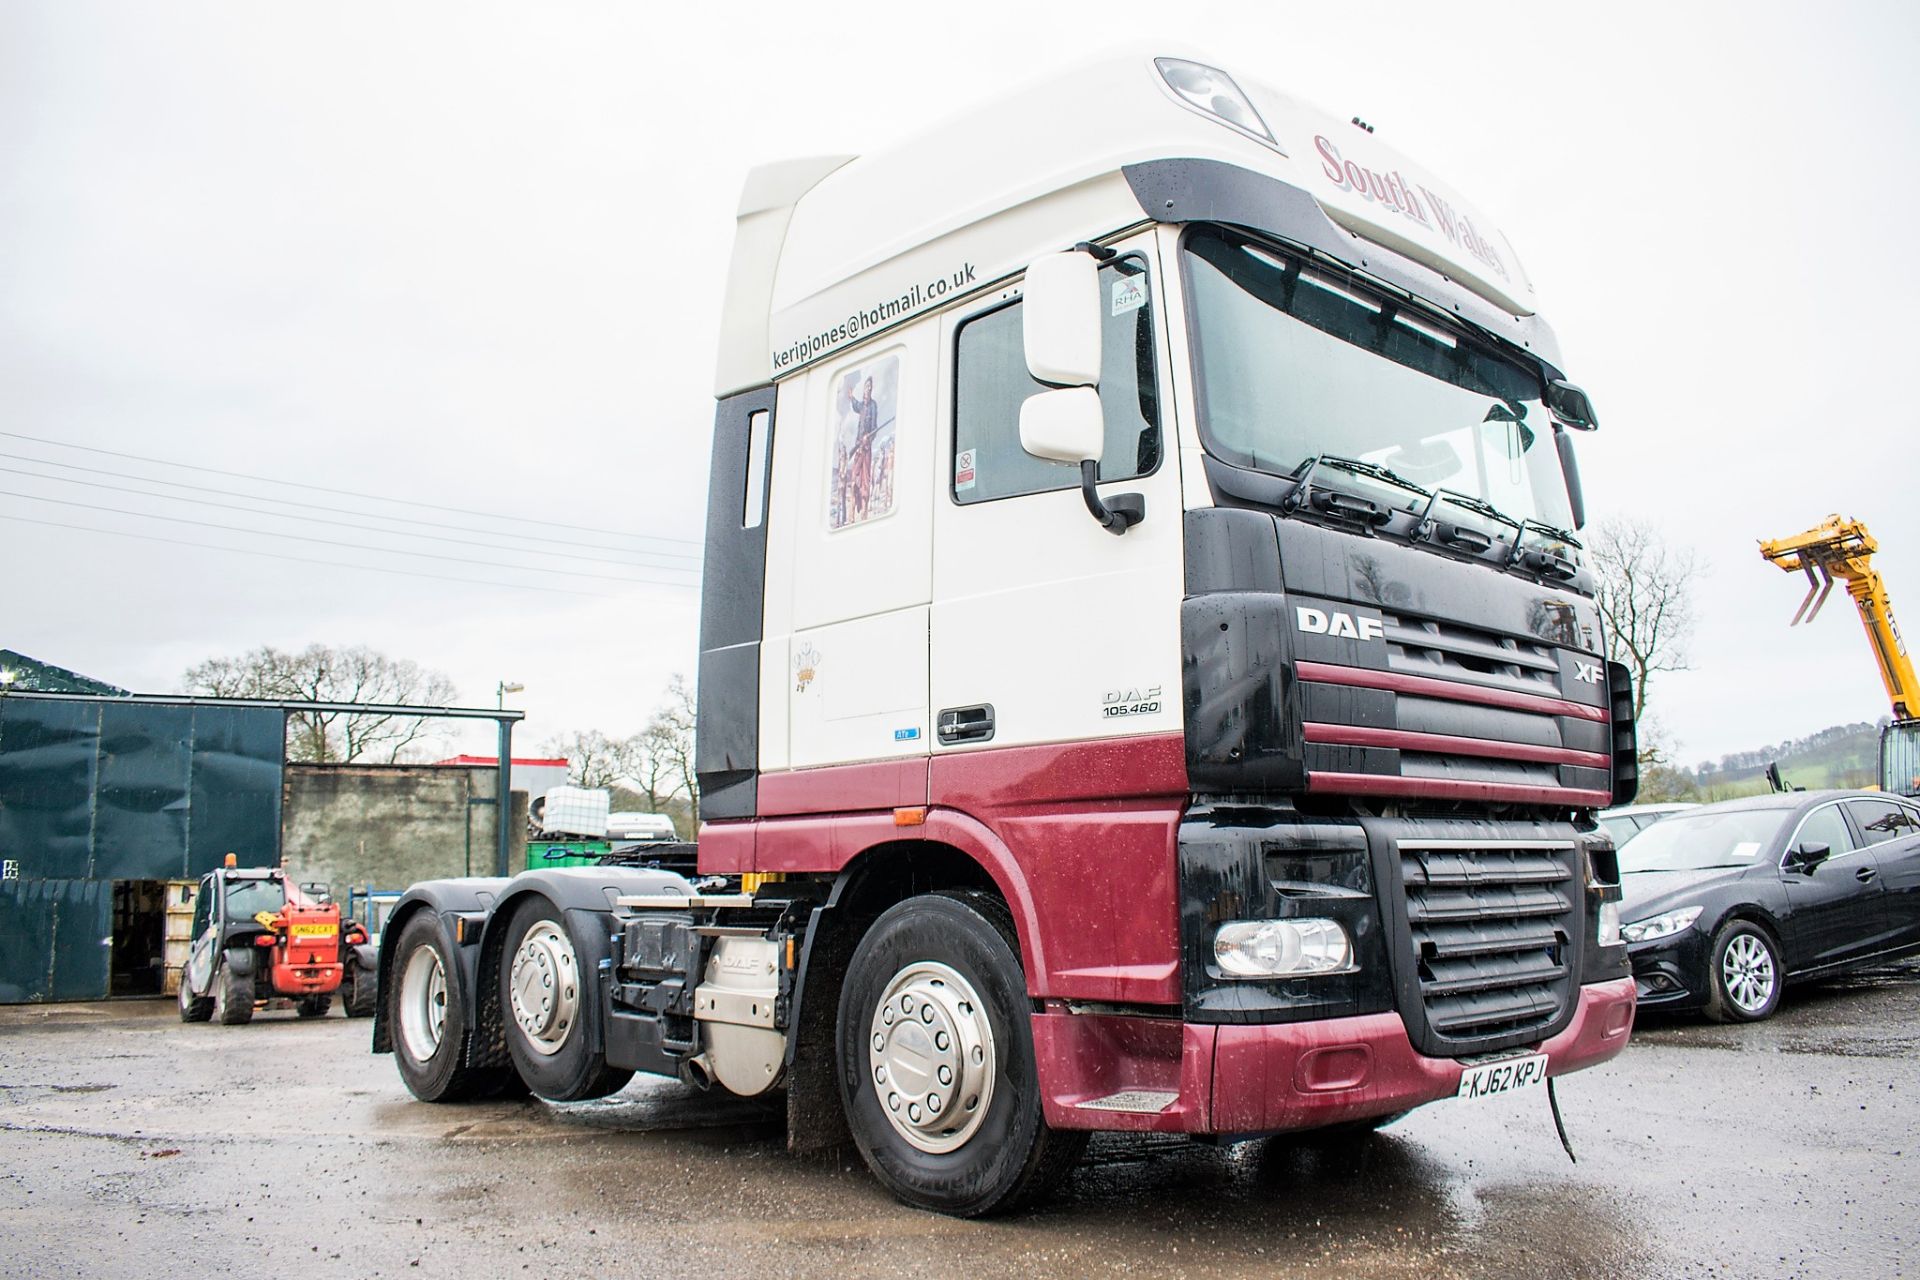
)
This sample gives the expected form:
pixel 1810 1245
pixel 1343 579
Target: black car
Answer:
pixel 1726 903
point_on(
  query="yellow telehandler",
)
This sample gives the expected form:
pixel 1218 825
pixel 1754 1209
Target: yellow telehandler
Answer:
pixel 1842 549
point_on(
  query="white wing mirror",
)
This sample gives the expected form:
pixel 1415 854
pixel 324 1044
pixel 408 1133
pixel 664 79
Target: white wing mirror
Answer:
pixel 1063 425
pixel 1061 320
pixel 1061 329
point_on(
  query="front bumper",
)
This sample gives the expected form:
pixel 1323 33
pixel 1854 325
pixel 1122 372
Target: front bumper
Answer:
pixel 1671 972
pixel 1103 1071
pixel 306 979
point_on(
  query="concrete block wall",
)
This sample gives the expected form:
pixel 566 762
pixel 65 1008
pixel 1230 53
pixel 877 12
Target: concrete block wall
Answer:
pixel 390 825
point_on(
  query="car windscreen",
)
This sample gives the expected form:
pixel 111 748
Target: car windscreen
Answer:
pixel 1696 841
pixel 1621 828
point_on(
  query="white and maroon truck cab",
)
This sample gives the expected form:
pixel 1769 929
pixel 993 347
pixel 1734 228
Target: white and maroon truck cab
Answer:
pixel 1148 678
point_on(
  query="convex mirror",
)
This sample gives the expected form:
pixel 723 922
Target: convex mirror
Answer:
pixel 1063 425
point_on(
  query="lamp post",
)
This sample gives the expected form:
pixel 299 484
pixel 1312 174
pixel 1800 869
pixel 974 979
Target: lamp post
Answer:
pixel 504 764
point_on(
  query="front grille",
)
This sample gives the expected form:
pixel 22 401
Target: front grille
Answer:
pixel 1454 651
pixel 1492 925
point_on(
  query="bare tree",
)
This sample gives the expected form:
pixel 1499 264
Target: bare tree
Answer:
pixel 594 760
pixel 1645 594
pixel 654 773
pixel 670 735
pixel 324 673
pixel 654 765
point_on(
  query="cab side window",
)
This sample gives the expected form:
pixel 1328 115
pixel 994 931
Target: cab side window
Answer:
pixel 991 383
pixel 203 907
pixel 1882 820
pixel 1825 826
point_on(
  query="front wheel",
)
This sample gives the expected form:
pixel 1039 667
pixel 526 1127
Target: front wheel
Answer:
pixel 193 1008
pixel 936 1060
pixel 1744 974
pixel 232 996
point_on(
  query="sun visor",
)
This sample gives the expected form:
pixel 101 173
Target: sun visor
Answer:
pixel 1376 193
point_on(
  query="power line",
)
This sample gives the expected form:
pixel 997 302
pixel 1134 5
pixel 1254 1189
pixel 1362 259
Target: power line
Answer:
pixel 347 493
pixel 320 506
pixel 275 555
pixel 348 524
pixel 329 542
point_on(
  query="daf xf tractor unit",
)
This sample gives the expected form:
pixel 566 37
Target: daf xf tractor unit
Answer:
pixel 1149 678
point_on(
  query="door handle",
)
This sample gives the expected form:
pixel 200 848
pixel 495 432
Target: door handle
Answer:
pixel 965 724
pixel 1864 874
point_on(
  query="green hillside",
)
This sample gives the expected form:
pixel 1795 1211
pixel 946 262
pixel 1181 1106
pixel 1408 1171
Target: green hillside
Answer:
pixel 1846 755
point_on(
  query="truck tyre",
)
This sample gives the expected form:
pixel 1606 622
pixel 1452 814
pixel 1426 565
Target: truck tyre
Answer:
pixel 313 1006
pixel 936 1060
pixel 232 996
pixel 429 1020
pixel 1744 973
pixel 550 1006
pixel 359 992
pixel 193 1008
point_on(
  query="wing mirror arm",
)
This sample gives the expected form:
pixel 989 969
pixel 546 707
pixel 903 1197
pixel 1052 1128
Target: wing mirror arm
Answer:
pixel 1124 511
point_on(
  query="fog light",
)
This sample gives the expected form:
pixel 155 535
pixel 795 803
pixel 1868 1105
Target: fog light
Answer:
pixel 1282 948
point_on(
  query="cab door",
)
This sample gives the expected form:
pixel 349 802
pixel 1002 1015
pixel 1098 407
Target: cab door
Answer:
pixel 198 976
pixel 1045 627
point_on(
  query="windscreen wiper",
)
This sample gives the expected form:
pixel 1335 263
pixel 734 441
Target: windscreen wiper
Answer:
pixel 1345 506
pixel 1459 536
pixel 1539 560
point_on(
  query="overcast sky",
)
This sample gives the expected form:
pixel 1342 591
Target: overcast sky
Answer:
pixel 471 259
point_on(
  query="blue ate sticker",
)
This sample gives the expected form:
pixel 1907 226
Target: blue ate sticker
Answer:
pixel 905 735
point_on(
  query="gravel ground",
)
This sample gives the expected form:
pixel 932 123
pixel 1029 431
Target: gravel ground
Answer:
pixel 133 1146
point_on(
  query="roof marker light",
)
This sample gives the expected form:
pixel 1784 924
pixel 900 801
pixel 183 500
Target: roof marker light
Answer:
pixel 1212 92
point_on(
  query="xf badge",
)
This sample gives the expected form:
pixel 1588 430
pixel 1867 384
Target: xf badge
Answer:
pixel 1587 671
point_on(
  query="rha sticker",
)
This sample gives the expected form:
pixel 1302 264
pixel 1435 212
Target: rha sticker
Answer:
pixel 963 470
pixel 1129 294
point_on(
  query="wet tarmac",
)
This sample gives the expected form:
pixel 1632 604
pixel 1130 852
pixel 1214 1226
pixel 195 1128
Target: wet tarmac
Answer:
pixel 133 1146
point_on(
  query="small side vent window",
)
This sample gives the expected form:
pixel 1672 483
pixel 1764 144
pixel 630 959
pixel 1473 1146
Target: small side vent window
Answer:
pixel 759 429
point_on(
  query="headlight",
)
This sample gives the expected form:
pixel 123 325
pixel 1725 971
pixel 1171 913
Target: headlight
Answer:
pixel 1664 925
pixel 1282 948
pixel 1609 930
pixel 1213 93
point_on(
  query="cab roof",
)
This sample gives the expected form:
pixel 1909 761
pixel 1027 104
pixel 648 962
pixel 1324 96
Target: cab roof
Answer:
pixel 827 249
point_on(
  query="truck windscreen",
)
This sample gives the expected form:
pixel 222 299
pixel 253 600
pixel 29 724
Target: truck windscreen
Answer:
pixel 1294 361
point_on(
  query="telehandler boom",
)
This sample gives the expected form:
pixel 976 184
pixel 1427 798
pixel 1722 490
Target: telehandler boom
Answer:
pixel 1842 548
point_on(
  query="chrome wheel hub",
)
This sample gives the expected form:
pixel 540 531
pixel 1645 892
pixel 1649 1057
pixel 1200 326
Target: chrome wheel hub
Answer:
pixel 931 1057
pixel 544 984
pixel 423 1003
pixel 1748 971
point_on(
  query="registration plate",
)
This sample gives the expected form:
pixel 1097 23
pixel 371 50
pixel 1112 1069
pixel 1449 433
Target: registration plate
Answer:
pixel 314 930
pixel 1505 1076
